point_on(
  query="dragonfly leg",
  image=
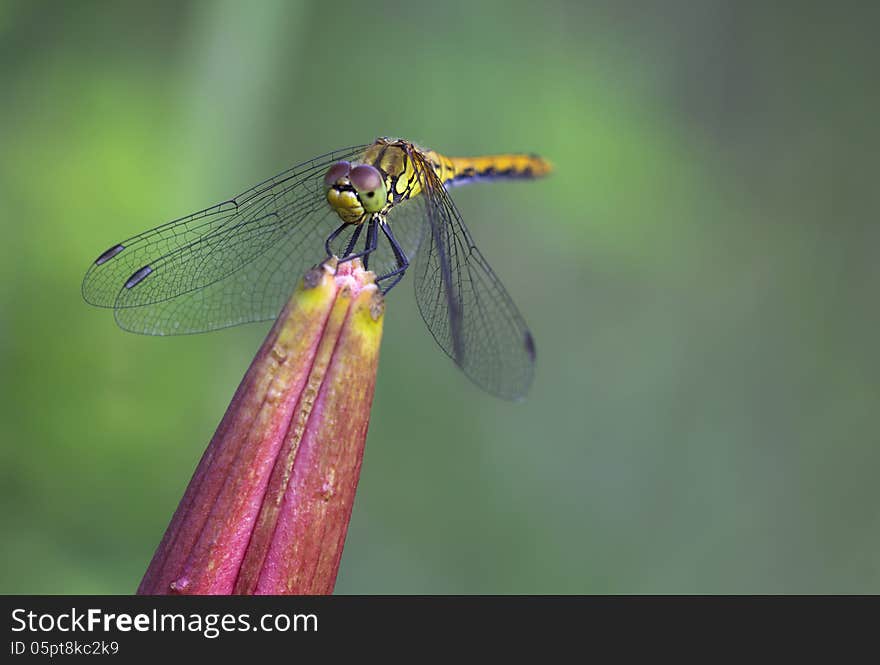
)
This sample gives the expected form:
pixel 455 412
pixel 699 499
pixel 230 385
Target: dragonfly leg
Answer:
pixel 333 237
pixel 399 255
pixel 369 245
pixel 354 238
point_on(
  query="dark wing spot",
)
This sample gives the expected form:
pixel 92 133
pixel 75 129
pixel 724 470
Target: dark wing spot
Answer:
pixel 530 345
pixel 138 277
pixel 109 254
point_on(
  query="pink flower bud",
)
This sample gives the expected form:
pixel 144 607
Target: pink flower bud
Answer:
pixel 267 509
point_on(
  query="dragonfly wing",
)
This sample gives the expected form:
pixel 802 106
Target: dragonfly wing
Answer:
pixel 256 291
pixel 408 223
pixel 465 305
pixel 218 260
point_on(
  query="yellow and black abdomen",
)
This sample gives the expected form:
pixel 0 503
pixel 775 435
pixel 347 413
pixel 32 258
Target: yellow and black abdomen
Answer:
pixel 460 170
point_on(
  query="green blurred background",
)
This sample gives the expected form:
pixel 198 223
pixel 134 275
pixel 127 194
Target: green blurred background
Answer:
pixel 700 275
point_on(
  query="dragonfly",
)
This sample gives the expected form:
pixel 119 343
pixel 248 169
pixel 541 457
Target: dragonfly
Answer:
pixel 386 203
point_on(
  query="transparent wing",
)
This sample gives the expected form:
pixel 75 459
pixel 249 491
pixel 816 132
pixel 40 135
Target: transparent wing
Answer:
pixel 232 263
pixel 464 304
pixel 256 291
pixel 408 222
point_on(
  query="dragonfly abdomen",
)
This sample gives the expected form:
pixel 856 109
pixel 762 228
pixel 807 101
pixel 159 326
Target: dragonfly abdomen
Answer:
pixel 459 170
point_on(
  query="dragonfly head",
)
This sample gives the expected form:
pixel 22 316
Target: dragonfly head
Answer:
pixel 355 191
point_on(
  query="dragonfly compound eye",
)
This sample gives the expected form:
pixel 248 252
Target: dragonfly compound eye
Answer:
pixel 337 171
pixel 370 187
